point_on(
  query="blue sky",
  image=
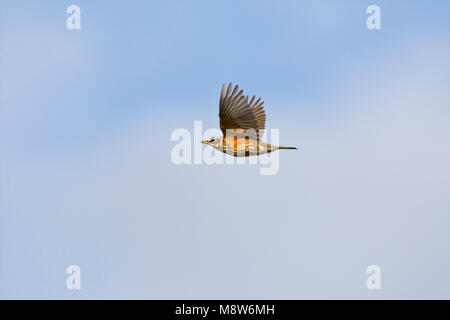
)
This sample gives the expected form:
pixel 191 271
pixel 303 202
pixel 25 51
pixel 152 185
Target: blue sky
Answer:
pixel 85 171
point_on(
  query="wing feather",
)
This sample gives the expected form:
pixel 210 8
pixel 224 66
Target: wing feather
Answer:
pixel 236 112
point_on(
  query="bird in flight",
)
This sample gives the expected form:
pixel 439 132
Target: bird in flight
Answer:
pixel 242 123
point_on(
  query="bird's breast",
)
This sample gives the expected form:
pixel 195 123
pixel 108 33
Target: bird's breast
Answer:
pixel 244 147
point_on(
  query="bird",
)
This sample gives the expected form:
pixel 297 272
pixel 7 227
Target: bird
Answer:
pixel 242 123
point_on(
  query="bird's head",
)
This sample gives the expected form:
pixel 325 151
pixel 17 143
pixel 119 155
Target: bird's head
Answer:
pixel 214 142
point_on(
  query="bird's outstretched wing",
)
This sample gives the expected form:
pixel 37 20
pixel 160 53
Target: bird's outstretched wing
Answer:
pixel 236 112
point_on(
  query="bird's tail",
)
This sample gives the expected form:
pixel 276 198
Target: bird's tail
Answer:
pixel 291 148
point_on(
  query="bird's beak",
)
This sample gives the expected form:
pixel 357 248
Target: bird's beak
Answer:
pixel 205 142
